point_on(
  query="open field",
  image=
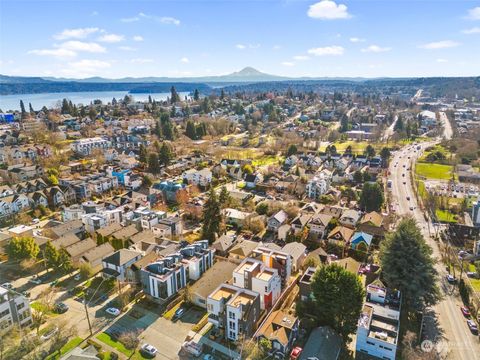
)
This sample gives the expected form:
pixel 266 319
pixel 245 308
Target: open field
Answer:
pixel 434 171
pixel 445 216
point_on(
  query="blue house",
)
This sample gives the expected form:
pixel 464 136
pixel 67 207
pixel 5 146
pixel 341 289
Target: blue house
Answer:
pixel 361 240
pixel 169 189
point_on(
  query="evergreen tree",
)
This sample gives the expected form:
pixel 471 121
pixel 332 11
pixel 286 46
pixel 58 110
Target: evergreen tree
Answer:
pixel 51 255
pixel 92 113
pixel 173 111
pixel 149 99
pixel 174 95
pixel 407 265
pixel 30 107
pixel 222 94
pixel 196 95
pixel 211 217
pixel 206 108
pixel 190 130
pixel 372 197
pixel 22 248
pixel 22 107
pixel 64 261
pixel 348 150
pixel 153 163
pixel 165 155
pixel 142 154
pixel 338 298
pixel 369 151
pixel 344 125
pixel 292 150
pixel 224 197
pixel 385 155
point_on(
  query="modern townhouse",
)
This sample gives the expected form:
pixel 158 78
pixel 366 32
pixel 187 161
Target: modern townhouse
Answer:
pixel 275 259
pixel 14 310
pixel 235 310
pixel 379 324
pixel 201 178
pixel 254 275
pixel 88 145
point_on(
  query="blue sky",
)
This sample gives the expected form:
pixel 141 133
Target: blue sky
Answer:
pixel 196 38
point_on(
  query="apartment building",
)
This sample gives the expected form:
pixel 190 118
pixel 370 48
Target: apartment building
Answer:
pixel 234 309
pixel 86 146
pixel 164 277
pixel 254 275
pixel 379 323
pixel 275 259
pixel 14 310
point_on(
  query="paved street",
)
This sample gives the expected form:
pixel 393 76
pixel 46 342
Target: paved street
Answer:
pixel 453 336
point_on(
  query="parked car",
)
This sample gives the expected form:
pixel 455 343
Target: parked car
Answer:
pixel 7 285
pixel 178 313
pixel 112 311
pixel 472 274
pixel 295 354
pixel 192 347
pixel 61 307
pixel 451 279
pixel 148 349
pixel 465 311
pixel 35 279
pixel 49 334
pixel 472 326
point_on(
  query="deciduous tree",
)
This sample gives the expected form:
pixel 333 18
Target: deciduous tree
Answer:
pixel 372 197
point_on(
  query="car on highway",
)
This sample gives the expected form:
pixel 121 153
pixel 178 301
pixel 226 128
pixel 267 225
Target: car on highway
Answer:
pixel 411 208
pixel 49 334
pixel 403 175
pixel 77 277
pixel 404 183
pixel 451 279
pixel 148 350
pixel 472 326
pixel 465 311
pixel 35 279
pixel 112 311
pixel 408 198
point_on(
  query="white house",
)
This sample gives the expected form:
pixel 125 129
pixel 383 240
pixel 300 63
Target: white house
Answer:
pixel 198 177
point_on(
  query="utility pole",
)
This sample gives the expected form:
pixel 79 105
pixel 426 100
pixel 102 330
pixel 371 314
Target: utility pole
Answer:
pixel 86 312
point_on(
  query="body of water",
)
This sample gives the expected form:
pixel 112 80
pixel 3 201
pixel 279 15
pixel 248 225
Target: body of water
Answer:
pixel 12 102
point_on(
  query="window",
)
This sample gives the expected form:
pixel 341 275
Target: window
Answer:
pixel 231 315
pixel 231 324
pixel 370 343
pixel 5 313
pixel 20 306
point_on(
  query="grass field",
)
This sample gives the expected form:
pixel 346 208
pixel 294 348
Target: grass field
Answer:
pixel 434 171
pixel 445 216
pixel 357 146
pixel 73 343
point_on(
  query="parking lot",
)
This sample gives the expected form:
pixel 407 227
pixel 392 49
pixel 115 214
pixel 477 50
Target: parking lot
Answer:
pixel 165 335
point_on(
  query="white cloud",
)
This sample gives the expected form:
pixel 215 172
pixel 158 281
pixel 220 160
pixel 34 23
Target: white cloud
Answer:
pixel 138 38
pixel 474 14
pixel 444 44
pixel 474 30
pixel 288 63
pixel 184 60
pixel 356 40
pixel 328 10
pixel 301 57
pixel 127 48
pixel 141 61
pixel 245 46
pixel 327 50
pixel 75 45
pixel 276 47
pixel 376 49
pixel 60 53
pixel 85 68
pixel 162 19
pixel 111 38
pixel 131 19
pixel 442 60
pixel 80 33
pixel 169 20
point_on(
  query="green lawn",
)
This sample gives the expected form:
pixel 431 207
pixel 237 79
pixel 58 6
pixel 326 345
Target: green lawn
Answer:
pixel 434 171
pixel 445 216
pixel 357 146
pixel 106 339
pixel 73 343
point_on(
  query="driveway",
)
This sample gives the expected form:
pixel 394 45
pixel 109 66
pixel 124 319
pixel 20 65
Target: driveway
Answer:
pixel 165 335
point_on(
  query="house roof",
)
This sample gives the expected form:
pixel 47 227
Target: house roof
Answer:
pixel 323 344
pixel 350 213
pixel 109 229
pixel 98 252
pixel 67 227
pixel 345 232
pixel 321 219
pixel 65 241
pixel 281 216
pixel 361 236
pixel 219 273
pixel 295 249
pixel 278 326
pixel 349 264
pixel 224 242
pixel 302 219
pixel 372 217
pixel 145 235
pixel 244 248
pixel 80 247
pixel 126 232
pixel 121 257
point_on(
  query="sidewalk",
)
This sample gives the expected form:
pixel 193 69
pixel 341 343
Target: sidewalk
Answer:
pixel 204 340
